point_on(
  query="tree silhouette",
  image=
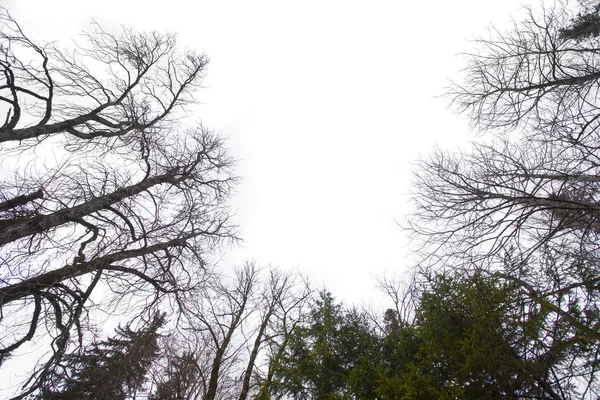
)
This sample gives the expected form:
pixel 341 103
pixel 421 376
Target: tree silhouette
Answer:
pixel 115 368
pixel 109 197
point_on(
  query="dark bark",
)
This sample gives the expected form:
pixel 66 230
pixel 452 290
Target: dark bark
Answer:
pixel 222 347
pixel 128 200
pixel 13 230
pixel 254 353
pixel 21 200
pixel 39 283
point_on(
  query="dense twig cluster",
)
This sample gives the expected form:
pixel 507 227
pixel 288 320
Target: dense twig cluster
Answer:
pixel 524 207
pixel 105 197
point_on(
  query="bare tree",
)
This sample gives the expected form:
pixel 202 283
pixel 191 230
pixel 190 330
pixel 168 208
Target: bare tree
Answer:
pixel 276 293
pixel 525 206
pixel 534 75
pixel 292 312
pixel 228 331
pixel 539 183
pixel 470 206
pixel 178 378
pixel 404 298
pixel 285 301
pixel 105 187
pixel 221 316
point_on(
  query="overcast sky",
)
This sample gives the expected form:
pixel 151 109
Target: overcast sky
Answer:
pixel 325 105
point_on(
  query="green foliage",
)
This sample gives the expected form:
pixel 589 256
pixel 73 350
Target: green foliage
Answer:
pixel 334 355
pixel 459 346
pixel 360 351
pixel 399 351
pixel 462 328
pixel 115 368
pixel 475 336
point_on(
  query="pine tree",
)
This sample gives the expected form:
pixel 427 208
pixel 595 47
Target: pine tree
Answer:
pixel 115 368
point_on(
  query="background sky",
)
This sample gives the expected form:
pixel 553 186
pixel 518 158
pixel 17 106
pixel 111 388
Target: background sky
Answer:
pixel 325 105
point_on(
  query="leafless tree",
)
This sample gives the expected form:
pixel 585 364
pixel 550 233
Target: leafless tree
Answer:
pixel 177 378
pixel 534 76
pixel 403 294
pixel 285 304
pixel 552 328
pixel 107 197
pixel 228 329
pixel 221 315
pixel 530 195
pixel 280 294
pixel 537 184
pixel 473 205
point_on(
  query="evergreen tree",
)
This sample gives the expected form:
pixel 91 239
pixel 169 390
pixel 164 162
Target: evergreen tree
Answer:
pixel 115 368
pixel 332 356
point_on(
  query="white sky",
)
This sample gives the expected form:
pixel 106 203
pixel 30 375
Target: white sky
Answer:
pixel 325 104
